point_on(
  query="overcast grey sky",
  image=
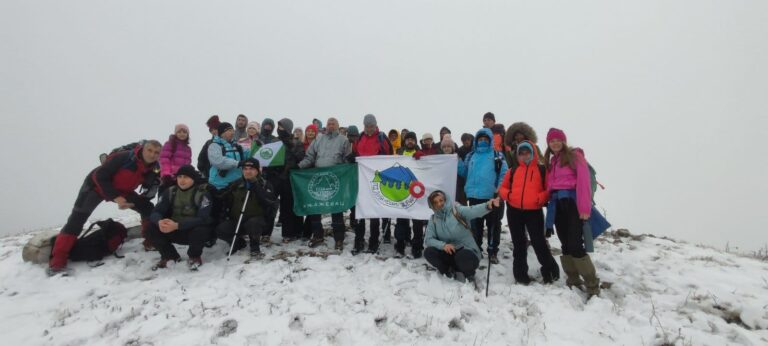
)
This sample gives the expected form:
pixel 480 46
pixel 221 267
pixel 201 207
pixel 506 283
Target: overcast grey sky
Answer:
pixel 667 98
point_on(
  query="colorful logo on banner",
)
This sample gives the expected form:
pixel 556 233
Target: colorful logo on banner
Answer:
pixel 397 187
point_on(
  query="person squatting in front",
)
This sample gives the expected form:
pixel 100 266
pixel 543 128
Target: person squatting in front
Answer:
pixel 568 182
pixel 115 180
pixel 182 216
pixel 451 248
pixel 524 190
pixel 246 203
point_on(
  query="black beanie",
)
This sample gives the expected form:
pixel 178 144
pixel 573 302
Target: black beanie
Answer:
pixel 411 135
pixel 251 162
pixel 223 127
pixel 188 171
pixel 489 115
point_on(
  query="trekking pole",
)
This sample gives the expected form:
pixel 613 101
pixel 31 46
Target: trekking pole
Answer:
pixel 237 228
pixel 488 278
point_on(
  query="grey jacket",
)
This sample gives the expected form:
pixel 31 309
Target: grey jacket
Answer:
pixel 327 150
pixel 443 227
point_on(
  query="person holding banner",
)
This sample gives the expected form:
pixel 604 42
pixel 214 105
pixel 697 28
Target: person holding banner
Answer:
pixel 327 150
pixel 293 152
pixel 270 172
pixel 403 226
pixel 372 142
pixel 484 169
pixel 450 244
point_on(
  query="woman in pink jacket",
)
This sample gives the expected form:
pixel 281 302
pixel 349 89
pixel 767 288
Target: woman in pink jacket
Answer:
pixel 176 153
pixel 568 182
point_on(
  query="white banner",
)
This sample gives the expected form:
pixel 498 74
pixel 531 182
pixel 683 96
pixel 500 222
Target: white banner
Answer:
pixel 398 186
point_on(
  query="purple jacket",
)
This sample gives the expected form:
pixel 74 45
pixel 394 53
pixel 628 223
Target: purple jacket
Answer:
pixel 567 178
pixel 170 161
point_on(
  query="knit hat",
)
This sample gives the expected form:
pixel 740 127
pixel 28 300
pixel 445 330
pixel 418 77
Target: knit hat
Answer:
pixel 181 127
pixel 426 136
pixel 498 129
pixel 223 127
pixel 188 171
pixel 411 135
pixel 353 131
pixel 213 122
pixel 251 162
pixel 489 115
pixel 556 134
pixel 467 137
pixel 369 120
pixel 524 146
pixel 253 124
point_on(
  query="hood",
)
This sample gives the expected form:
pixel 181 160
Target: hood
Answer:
pixel 520 127
pixel 484 131
pixel 446 207
pixel 267 121
pixel 532 148
pixel 287 125
pixel 310 127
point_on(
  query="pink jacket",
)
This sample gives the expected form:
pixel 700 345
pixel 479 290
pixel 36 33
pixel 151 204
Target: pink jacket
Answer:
pixel 171 161
pixel 567 178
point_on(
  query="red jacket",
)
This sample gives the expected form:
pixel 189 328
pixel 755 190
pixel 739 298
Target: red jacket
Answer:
pixel 122 173
pixel 375 144
pixel 525 187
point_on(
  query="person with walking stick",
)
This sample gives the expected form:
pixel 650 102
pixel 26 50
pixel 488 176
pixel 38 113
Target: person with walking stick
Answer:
pixel 451 247
pixel 246 203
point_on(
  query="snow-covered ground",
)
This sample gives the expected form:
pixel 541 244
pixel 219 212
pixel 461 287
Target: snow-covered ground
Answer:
pixel 661 291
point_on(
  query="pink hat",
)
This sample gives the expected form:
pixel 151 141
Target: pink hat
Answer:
pixel 556 134
pixel 255 125
pixel 181 126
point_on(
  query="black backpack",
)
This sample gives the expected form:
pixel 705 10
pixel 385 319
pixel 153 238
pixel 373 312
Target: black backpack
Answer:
pixel 93 245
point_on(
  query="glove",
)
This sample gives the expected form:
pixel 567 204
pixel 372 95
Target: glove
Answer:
pixel 417 155
pixel 549 232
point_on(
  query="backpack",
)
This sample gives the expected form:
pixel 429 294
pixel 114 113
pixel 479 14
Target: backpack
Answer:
pixel 384 143
pixel 592 176
pixel 126 147
pixel 93 245
pixel 497 162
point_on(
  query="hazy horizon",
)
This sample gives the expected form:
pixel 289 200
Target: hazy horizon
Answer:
pixel 666 98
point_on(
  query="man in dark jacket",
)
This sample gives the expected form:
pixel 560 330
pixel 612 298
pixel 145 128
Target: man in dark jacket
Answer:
pixel 261 201
pixel 203 165
pixel 403 227
pixel 115 180
pixel 182 216
pixel 280 179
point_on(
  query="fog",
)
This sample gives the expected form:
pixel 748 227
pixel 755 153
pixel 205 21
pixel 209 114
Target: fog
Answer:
pixel 667 98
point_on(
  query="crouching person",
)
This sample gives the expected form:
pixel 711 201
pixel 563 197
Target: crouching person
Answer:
pixel 182 216
pixel 115 180
pixel 251 198
pixel 451 247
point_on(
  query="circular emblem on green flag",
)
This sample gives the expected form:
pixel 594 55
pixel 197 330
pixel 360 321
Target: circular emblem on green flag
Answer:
pixel 266 154
pixel 323 186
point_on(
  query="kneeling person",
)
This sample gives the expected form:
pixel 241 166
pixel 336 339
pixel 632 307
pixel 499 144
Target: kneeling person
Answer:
pixel 260 202
pixel 182 216
pixel 451 246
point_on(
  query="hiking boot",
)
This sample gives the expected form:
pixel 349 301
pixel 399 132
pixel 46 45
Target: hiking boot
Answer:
pixel 356 251
pixel 314 242
pixel 287 240
pixel 163 263
pixel 63 271
pixel 256 254
pixel 148 245
pixel 210 243
pixel 416 252
pixel 586 269
pixel 239 244
pixel 194 263
pixel 572 278
pixel 265 240
pixel 494 259
pixel 550 275
pixel 400 248
pixel 524 280
pixel 339 245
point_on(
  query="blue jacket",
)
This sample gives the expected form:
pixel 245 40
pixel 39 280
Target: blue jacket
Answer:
pixel 443 228
pixel 226 163
pixel 479 168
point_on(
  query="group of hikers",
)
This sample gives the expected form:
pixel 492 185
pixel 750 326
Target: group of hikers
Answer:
pixel 229 196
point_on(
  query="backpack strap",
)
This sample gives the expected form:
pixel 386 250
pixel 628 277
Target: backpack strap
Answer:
pixel 459 218
pixel 543 173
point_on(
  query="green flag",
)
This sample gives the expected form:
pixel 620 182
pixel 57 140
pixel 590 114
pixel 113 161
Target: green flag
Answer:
pixel 269 155
pixel 325 190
